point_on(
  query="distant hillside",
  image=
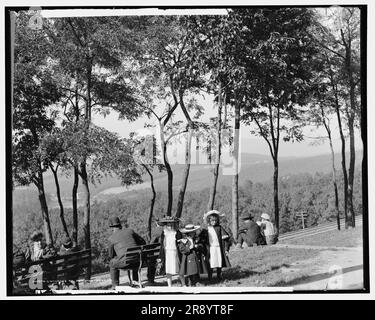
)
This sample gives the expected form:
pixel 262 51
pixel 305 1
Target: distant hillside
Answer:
pixel 254 167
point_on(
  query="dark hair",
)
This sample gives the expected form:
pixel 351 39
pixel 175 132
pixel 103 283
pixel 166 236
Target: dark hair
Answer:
pixel 214 215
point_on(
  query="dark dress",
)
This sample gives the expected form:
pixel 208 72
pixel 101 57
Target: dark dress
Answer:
pixel 191 260
pixel 224 242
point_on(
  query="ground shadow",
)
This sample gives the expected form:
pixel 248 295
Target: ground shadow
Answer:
pixel 316 277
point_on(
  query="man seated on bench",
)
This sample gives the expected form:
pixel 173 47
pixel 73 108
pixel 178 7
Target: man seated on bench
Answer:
pixel 119 241
pixel 68 247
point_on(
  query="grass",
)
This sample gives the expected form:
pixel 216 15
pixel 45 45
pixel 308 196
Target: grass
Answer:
pixel 251 267
pixel 265 266
pixel 335 238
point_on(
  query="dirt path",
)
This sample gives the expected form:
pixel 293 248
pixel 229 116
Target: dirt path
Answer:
pixel 333 269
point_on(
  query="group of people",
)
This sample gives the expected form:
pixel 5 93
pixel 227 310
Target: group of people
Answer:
pixel 261 232
pixel 37 249
pixel 188 252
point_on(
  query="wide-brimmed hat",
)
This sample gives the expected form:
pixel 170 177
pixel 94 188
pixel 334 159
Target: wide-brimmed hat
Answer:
pixel 265 216
pixel 114 222
pixel 189 228
pixel 213 212
pixel 167 219
pixel 247 216
pixel 36 235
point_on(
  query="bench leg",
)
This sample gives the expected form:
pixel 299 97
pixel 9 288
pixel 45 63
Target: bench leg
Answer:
pixel 130 278
pixel 140 278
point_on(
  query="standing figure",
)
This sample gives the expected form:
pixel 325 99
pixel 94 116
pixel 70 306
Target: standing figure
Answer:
pixel 119 241
pixel 190 249
pixel 169 257
pixel 217 241
pixel 269 230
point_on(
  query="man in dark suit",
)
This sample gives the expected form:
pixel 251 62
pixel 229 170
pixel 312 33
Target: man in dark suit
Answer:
pixel 251 233
pixel 119 241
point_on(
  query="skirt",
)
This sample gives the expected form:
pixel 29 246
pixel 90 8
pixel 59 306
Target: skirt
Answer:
pixel 171 261
pixel 215 257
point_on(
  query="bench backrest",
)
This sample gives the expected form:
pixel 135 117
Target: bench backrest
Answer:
pixel 145 253
pixel 58 267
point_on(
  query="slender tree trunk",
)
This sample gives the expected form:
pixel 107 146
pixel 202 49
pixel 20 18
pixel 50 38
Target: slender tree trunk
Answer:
pixel 44 209
pixel 334 175
pixel 236 144
pixel 75 209
pixel 86 212
pixel 334 181
pixel 276 190
pixel 343 165
pixel 152 204
pixel 62 218
pixel 168 169
pixel 350 113
pixel 185 176
pixel 351 215
pixel 211 200
pixel 83 171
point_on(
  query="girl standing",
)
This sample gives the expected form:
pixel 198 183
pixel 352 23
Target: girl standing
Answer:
pixel 190 249
pixel 216 239
pixel 169 256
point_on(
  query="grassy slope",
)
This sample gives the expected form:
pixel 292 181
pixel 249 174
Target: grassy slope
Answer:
pixel 335 238
pixel 265 266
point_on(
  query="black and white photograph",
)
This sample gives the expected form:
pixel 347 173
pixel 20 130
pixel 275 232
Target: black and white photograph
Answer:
pixel 186 150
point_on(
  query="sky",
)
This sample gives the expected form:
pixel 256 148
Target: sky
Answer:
pixel 248 143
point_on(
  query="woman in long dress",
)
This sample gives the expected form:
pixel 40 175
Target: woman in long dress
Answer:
pixel 169 256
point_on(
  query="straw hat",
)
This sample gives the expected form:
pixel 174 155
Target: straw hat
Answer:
pixel 213 212
pixel 265 216
pixel 189 228
pixel 167 219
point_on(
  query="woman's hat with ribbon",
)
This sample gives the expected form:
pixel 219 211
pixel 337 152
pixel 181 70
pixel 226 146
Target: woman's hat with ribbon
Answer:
pixel 212 212
pixel 189 228
pixel 167 219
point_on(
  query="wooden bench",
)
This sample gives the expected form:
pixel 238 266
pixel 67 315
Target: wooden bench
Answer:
pixel 140 257
pixel 57 269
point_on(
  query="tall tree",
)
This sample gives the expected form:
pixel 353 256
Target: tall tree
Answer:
pixel 145 152
pixel 164 55
pixel 275 53
pixel 209 35
pixel 34 91
pixel 88 49
pixel 340 37
pixel 54 157
pixel 322 109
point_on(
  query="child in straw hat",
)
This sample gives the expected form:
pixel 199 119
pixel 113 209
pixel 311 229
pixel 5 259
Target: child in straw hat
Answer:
pixel 191 264
pixel 217 241
pixel 169 257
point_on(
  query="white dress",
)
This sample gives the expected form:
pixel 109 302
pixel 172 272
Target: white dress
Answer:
pixel 269 229
pixel 215 252
pixel 171 255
